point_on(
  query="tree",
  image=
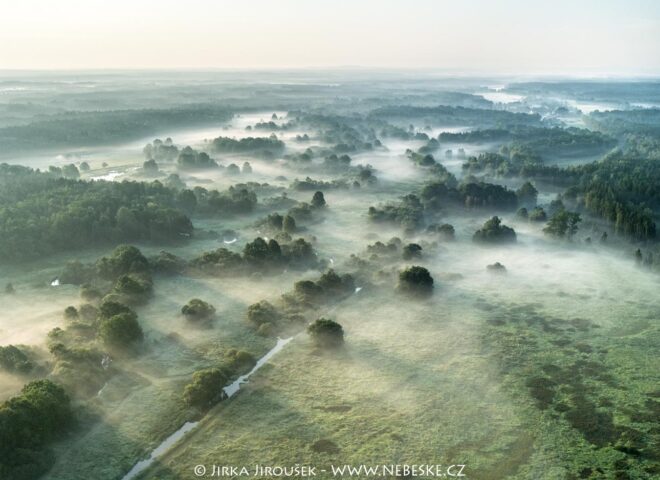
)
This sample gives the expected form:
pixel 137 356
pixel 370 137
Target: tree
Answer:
pixel 289 224
pixel 150 166
pixel 326 333
pixel 121 331
pixel 110 308
pixel 416 281
pixel 14 360
pixel 262 312
pixel 124 259
pixel 445 231
pixel 563 224
pixel 262 254
pixel 206 388
pixel 496 267
pixel 71 313
pixel 29 421
pixel 537 215
pixel 494 232
pixel 132 288
pixel 412 250
pixel 187 201
pixel 198 310
pixel 527 194
pixel 318 200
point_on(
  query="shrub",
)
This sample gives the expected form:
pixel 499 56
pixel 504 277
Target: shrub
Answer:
pixel 415 280
pixel 205 390
pixel 326 333
pixel 121 331
pixel 197 310
pixel 412 250
pixel 262 313
pixel 494 232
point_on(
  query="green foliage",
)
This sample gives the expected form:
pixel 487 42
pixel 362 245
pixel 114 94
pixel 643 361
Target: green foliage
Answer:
pixel 132 288
pixel 162 151
pixel 78 129
pixel 494 232
pixel 472 194
pixel 248 144
pixel 70 313
pixel 262 312
pixel 336 286
pixel 553 141
pixel 197 310
pixel 445 231
pixel 449 115
pixel 416 281
pixel 124 259
pixel 167 263
pixel 326 333
pixel 527 194
pixel 409 213
pixel 234 201
pixel 14 360
pixel 220 262
pixel 240 360
pixel 29 422
pixel 309 184
pixel 261 254
pixel 121 331
pixel 289 224
pixel 563 224
pixel 205 390
pixel 110 308
pixel 150 166
pixel 318 200
pixel 190 159
pixel 300 254
pixel 537 215
pixel 41 214
pixel 412 250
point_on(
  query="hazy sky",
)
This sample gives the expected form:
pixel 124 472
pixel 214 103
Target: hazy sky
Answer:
pixel 499 36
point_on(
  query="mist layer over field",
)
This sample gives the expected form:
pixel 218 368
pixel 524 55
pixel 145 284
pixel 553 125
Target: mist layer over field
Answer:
pixel 543 367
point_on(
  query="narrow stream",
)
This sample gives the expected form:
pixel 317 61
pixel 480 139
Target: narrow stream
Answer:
pixel 230 390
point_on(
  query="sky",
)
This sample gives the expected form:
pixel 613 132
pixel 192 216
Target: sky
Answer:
pixel 472 36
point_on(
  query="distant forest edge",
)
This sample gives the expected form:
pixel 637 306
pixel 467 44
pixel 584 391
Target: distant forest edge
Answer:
pixel 42 213
pixel 86 129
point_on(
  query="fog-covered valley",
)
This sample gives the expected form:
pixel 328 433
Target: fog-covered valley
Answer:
pixel 468 269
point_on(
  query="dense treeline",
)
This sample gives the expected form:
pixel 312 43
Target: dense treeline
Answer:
pixel 77 129
pixel 624 190
pixel 41 213
pixel 259 256
pixel 445 115
pixel 271 145
pixel 541 140
pixel 346 134
pixel 644 121
pixel 411 211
